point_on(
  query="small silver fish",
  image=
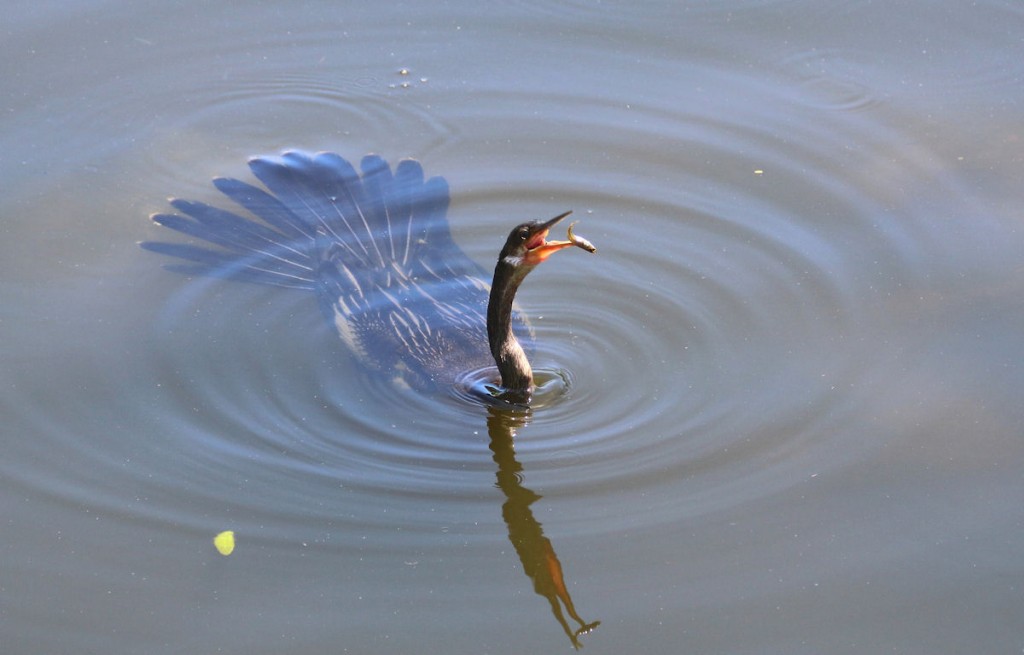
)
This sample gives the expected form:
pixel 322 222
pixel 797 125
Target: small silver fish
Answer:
pixel 579 241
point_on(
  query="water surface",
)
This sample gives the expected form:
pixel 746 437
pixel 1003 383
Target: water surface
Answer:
pixel 791 421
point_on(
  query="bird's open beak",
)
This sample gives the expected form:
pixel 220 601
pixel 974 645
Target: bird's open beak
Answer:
pixel 539 248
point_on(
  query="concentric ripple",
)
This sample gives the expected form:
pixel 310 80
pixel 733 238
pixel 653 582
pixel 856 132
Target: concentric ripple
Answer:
pixel 702 358
pixel 700 350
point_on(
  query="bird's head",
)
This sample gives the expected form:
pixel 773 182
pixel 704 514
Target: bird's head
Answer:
pixel 527 244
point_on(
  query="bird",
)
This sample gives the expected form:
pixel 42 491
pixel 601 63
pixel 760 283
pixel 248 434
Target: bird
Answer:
pixel 375 247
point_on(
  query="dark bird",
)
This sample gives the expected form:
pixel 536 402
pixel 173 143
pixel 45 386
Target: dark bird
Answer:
pixel 377 250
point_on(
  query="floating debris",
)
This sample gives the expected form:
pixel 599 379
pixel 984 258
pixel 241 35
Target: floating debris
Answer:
pixel 225 542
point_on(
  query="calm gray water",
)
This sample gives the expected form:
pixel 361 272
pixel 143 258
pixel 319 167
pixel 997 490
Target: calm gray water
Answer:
pixel 792 422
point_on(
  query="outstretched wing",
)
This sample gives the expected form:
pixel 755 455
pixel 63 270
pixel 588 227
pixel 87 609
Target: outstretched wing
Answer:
pixel 375 245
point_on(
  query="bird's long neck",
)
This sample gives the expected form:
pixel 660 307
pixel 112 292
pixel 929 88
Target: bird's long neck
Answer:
pixel 516 374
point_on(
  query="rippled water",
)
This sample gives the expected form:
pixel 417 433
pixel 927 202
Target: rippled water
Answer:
pixel 784 407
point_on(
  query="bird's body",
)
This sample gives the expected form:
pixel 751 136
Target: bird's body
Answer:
pixel 377 250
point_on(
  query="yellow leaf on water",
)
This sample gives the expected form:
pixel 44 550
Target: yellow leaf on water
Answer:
pixel 225 542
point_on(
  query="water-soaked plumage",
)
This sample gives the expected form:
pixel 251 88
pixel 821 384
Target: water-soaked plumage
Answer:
pixel 377 250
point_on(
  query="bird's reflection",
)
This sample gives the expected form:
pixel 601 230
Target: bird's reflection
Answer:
pixel 535 551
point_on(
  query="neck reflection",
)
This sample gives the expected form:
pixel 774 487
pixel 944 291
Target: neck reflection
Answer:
pixel 535 551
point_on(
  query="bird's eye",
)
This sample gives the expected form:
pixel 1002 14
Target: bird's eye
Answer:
pixel 523 234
